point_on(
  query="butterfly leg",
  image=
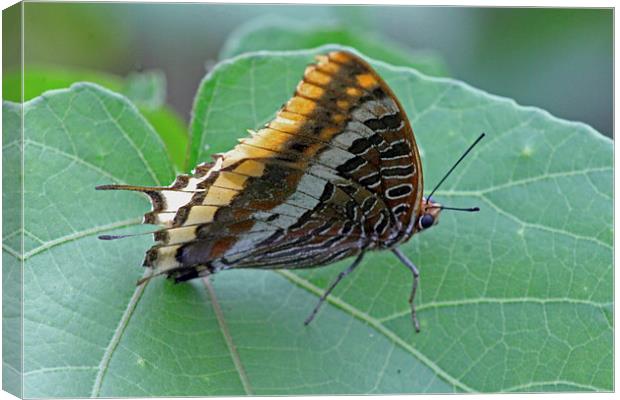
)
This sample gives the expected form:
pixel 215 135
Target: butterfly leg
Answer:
pixel 331 287
pixel 416 278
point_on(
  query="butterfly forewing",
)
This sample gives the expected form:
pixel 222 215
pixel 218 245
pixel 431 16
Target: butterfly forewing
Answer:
pixel 336 172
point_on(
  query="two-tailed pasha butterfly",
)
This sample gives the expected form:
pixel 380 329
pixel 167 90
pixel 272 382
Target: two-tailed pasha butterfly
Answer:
pixel 335 174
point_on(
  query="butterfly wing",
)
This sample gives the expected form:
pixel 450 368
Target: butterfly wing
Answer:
pixel 337 171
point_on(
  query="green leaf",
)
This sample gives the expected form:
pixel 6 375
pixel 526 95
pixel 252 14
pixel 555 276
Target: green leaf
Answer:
pixel 517 297
pixel 11 267
pixel 147 90
pixel 273 33
pixel 76 290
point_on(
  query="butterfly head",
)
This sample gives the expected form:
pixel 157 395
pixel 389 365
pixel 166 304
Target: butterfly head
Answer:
pixel 430 210
pixel 429 215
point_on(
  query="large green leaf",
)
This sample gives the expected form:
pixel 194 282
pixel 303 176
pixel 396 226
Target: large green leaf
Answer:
pixel 517 297
pixel 277 33
pixel 11 249
pixel 147 90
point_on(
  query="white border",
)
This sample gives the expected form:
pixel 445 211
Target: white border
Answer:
pixel 457 3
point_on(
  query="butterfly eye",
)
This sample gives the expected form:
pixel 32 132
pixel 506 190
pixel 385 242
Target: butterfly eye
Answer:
pixel 426 221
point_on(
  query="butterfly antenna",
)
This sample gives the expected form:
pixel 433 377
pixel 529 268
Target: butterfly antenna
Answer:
pixel 469 209
pixel 455 164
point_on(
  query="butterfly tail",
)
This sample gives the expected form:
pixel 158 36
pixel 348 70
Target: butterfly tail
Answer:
pixel 168 202
pixel 165 201
pixel 156 196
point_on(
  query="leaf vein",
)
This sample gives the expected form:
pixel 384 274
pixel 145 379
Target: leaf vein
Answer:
pixel 116 337
pixel 61 369
pixel 129 140
pixel 379 327
pixel 80 234
pixel 73 157
pixel 493 300
pixel 227 337
pixel 557 382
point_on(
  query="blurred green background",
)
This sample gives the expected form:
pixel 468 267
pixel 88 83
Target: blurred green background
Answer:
pixel 557 59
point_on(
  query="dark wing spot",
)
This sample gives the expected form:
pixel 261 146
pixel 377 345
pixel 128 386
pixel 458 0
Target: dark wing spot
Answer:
pixel 298 147
pixel 351 165
pixel 346 228
pixel 370 180
pixel 379 93
pixel 380 227
pixel 399 191
pixel 376 94
pixel 351 210
pixel 375 124
pixel 391 121
pixel 400 209
pixel 359 146
pixel 375 139
pixel 396 150
pixel 397 171
pixel 328 192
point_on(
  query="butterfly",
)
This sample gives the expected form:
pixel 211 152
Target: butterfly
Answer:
pixel 336 174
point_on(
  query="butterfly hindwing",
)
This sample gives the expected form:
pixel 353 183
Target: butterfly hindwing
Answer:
pixel 336 172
